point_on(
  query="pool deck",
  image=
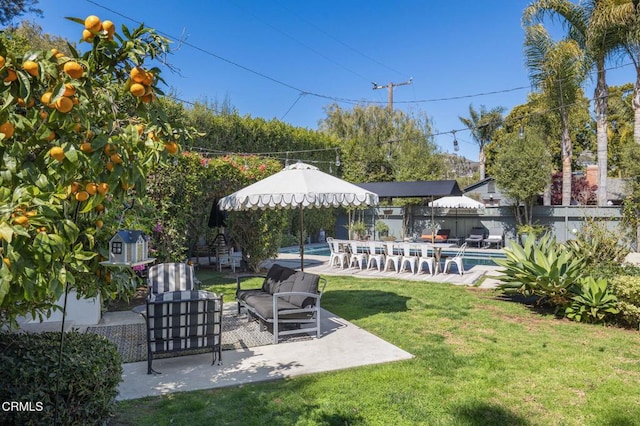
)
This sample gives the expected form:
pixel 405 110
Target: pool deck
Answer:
pixel 473 276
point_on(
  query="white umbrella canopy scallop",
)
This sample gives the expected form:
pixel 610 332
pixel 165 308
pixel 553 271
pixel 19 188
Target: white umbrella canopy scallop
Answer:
pixel 456 202
pixel 298 186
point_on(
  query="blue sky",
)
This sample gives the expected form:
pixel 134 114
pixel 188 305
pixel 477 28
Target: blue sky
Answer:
pixel 289 59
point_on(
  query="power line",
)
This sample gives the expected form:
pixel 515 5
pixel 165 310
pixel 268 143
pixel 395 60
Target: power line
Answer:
pixel 319 95
pixel 306 46
pixel 353 49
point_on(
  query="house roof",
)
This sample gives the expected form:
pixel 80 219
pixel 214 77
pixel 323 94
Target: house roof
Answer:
pixel 478 184
pixel 130 236
pixel 424 188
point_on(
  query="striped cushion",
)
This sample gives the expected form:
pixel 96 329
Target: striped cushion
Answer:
pixel 170 277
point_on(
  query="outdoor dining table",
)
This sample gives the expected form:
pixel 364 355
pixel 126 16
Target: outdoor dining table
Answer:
pixel 417 247
pixel 437 251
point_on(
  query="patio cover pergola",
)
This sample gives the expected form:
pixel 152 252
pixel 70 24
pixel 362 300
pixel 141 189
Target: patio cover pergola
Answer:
pixel 421 189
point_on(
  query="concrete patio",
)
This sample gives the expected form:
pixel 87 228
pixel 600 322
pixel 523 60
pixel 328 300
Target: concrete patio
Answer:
pixel 342 345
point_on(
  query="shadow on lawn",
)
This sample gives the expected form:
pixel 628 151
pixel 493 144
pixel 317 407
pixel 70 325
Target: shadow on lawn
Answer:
pixel 357 304
pixel 477 414
pixel 533 303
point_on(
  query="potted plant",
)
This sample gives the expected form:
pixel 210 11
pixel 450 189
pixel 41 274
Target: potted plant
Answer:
pixel 359 230
pixel 382 229
pixel 532 230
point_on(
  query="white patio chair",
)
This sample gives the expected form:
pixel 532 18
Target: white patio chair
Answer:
pixel 427 258
pixel 358 256
pixel 407 257
pixel 335 254
pixel 391 257
pixel 376 254
pixel 457 260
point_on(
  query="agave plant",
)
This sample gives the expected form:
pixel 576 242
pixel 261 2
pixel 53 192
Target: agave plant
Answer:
pixel 542 268
pixel 593 301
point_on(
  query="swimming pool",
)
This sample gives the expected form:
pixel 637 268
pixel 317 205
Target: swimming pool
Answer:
pixel 471 257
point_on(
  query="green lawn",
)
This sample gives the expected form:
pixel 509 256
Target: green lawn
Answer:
pixel 478 361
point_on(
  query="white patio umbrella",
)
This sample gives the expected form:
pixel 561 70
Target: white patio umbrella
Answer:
pixel 456 202
pixel 299 186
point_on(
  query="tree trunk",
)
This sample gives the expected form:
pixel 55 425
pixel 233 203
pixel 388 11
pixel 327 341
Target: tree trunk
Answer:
pixel 546 195
pixel 636 107
pixel 567 153
pixel 601 97
pixel 481 161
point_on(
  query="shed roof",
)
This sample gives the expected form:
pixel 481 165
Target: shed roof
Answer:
pixel 422 188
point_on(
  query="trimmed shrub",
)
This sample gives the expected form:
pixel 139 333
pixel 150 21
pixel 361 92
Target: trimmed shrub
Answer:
pixel 627 289
pixel 81 390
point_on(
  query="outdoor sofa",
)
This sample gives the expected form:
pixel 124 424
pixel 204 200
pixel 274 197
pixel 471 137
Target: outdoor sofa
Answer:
pixel 178 316
pixel 286 300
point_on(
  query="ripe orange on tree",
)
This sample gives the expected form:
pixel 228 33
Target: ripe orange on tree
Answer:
pixel 87 36
pixel 148 79
pixel 64 104
pixel 91 188
pixel 75 187
pixel 57 153
pixel 93 23
pixel 103 188
pixel 46 98
pixel 110 149
pixel 11 76
pixel 8 129
pixel 138 74
pixel 82 196
pixel 86 147
pixel 171 147
pixel 25 104
pixel 31 67
pixel 99 223
pixel 137 90
pixel 69 90
pixel 73 69
pixel 109 166
pixel 21 220
pixel 115 158
pixel 2 61
pixel 109 27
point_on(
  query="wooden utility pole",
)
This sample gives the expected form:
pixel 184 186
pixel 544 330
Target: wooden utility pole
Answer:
pixel 389 88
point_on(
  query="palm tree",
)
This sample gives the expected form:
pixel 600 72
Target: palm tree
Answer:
pixel 483 125
pixel 558 69
pixel 589 23
pixel 627 21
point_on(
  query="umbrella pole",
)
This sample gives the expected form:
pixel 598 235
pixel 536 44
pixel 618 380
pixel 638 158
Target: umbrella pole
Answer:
pixel 301 239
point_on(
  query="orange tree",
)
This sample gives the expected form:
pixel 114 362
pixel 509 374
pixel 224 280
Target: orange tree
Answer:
pixel 77 132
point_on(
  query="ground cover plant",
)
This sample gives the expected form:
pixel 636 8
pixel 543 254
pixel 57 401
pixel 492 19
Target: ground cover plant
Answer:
pixel 479 359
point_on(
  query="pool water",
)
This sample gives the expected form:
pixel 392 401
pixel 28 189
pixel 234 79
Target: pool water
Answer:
pixel 470 257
